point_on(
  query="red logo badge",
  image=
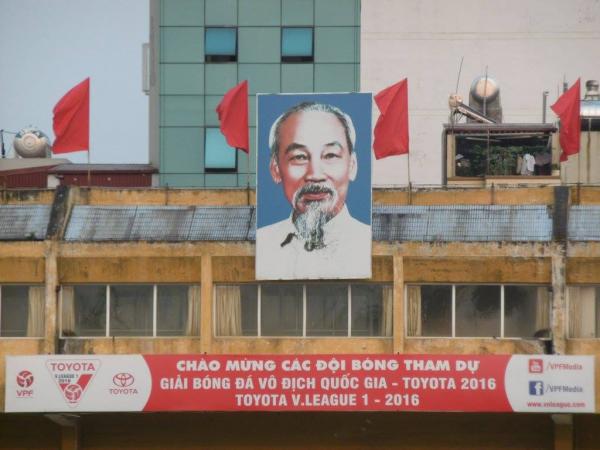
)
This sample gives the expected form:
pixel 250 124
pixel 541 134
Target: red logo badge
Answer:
pixel 536 366
pixel 123 379
pixel 25 378
pixel 73 376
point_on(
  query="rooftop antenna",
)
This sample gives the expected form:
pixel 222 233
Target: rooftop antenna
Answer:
pixel 459 71
pixel 456 89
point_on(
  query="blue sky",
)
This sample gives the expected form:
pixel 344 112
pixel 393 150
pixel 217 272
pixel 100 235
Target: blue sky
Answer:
pixel 48 46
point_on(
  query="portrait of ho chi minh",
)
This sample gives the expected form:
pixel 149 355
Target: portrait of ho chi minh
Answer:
pixel 313 162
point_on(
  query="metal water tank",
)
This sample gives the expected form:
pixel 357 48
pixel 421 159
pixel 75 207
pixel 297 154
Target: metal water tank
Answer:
pixel 30 142
pixel 484 96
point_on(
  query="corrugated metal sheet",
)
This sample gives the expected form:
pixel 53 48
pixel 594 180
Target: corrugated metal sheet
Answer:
pixel 221 224
pixel 24 222
pixel 584 223
pixel 466 223
pixel 167 223
pixel 159 223
pixel 100 223
pixel 462 223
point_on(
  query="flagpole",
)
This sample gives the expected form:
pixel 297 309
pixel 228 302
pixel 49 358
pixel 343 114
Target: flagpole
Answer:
pixel 248 178
pixel 89 171
pixel 409 183
pixel 579 167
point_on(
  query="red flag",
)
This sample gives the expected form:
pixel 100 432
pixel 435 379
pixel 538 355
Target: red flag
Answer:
pixel 233 116
pixel 391 130
pixel 71 121
pixel 567 109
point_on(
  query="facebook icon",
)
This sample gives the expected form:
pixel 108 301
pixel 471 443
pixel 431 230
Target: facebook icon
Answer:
pixel 536 388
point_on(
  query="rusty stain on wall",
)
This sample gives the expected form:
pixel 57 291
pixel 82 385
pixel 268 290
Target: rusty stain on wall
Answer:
pixel 477 270
pixel 22 269
pixel 583 270
pixel 129 270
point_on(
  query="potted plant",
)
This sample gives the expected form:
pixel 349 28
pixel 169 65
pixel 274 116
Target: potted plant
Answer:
pixel 556 170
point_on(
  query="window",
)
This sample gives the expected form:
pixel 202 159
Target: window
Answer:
pixel 371 309
pixel 584 311
pixel 220 44
pixel 296 44
pixel 489 152
pixel 326 310
pixel 22 311
pixel 310 310
pixel 281 309
pixel 129 310
pixel 218 155
pixel 477 311
pixel 507 311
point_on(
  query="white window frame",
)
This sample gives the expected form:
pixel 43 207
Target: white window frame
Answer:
pixel 453 311
pixel 259 334
pixel 107 309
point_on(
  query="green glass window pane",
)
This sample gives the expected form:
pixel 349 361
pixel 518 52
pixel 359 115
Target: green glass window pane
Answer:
pixel 297 45
pixel 218 155
pixel 297 42
pixel 220 42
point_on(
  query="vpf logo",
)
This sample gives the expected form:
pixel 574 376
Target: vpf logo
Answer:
pixel 536 365
pixel 25 378
pixel 123 379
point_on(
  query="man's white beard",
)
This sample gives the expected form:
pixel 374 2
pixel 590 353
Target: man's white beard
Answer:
pixel 310 223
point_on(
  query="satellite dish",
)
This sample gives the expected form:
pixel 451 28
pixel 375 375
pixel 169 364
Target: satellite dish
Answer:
pixel 30 142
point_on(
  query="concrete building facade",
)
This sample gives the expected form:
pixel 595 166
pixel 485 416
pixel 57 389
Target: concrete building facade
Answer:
pixel 75 251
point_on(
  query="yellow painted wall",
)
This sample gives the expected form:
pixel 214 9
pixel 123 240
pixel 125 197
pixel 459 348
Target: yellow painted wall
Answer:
pixel 583 270
pixel 477 270
pixel 236 197
pixel 27 197
pixel 129 270
pixel 21 270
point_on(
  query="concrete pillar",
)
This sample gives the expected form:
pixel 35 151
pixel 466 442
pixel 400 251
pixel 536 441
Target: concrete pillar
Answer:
pixel 69 438
pixel 398 309
pixel 51 307
pixel 70 430
pixel 563 431
pixel 559 304
pixel 206 331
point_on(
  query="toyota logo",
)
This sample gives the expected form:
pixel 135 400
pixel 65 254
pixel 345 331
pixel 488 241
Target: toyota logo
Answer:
pixel 25 378
pixel 123 379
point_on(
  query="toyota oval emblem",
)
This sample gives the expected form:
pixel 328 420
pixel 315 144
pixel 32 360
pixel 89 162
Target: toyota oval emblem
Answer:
pixel 123 379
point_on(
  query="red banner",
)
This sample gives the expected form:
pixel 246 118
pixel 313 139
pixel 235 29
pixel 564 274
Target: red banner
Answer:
pixel 327 383
pixel 492 383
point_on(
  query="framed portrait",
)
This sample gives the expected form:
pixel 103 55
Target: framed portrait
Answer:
pixel 313 186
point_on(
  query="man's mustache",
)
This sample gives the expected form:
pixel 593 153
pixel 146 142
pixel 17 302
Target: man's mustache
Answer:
pixel 313 188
